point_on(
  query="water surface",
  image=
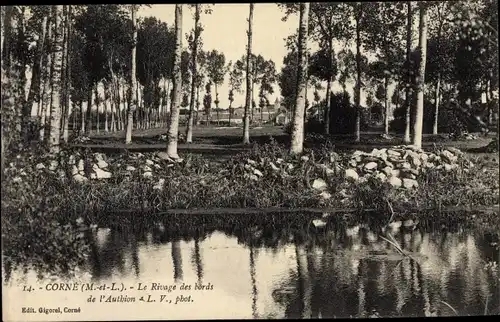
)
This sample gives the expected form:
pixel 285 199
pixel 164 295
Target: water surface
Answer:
pixel 289 269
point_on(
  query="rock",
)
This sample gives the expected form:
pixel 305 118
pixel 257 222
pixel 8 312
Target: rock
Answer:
pixel 274 167
pixel 252 162
pixel 40 166
pixel 53 165
pixel 74 170
pixel 159 185
pixel 149 162
pixel 414 148
pixel 408 223
pixel 395 225
pixel 448 156
pixel 253 177
pixel 447 167
pixel 304 158
pixel 395 181
pixel 393 153
pixel 319 223
pixel 351 174
pixel 101 174
pixel 455 151
pixel 387 171
pixel 79 178
pixel 102 164
pixel 381 176
pixel 81 165
pixel 353 163
pixel 93 176
pixel 98 157
pixel 410 183
pixel 163 156
pixel 147 174
pixel 258 173
pixel 72 160
pixel 130 168
pixel 371 165
pixel 395 172
pixel 319 184
pixel 325 195
pixel 424 157
pixel 405 165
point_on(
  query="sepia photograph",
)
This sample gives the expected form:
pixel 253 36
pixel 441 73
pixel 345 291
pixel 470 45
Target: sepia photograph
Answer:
pixel 250 160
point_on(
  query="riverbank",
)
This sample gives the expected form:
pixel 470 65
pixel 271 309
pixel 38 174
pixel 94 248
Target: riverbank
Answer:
pixel 47 202
pixel 400 180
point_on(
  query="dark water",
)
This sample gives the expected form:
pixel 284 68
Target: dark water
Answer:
pixel 290 269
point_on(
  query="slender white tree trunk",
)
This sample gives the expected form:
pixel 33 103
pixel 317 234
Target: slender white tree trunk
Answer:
pixel 298 117
pixel 133 81
pixel 173 128
pixel 422 45
pixel 248 97
pixel 55 108
pixel 408 75
pixel 194 76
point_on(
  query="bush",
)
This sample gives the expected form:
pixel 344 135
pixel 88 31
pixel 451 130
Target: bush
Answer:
pixel 450 120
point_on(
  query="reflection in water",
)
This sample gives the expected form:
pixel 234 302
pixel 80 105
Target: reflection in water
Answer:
pixel 292 270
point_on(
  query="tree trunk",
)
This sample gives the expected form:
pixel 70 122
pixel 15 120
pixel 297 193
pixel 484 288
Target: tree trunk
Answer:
pixel 21 67
pixel 64 23
pixel 89 109
pixel 230 111
pixel 106 107
pixel 357 95
pixel 173 128
pixel 98 108
pixel 82 115
pixel 408 74
pixel 217 104
pixel 297 139
pixel 197 121
pixel 132 98
pixel 248 97
pixel 329 89
pixel 422 44
pixel 436 105
pixel 194 75
pixel 68 78
pixel 386 105
pixel 36 74
pixel 55 108
pixel 45 81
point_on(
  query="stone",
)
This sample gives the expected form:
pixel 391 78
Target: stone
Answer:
pixel 325 195
pixel 93 176
pixel 424 157
pixel 53 165
pixel 319 184
pixel 395 181
pixel 447 167
pixel 79 178
pixel 253 177
pixel 351 174
pixel 101 174
pixel 130 168
pixel 353 163
pixel 72 160
pixel 410 183
pixel 405 165
pixel 318 223
pixel 147 168
pixel 40 166
pixel 74 170
pixel 98 157
pixel 258 173
pixel 455 151
pixel 387 171
pixel 274 167
pixel 381 176
pixel 448 156
pixel 304 158
pixel 393 153
pixel 408 223
pixel 395 172
pixel 159 185
pixel 163 156
pixel 81 165
pixel 149 162
pixel 414 148
pixel 102 164
pixel 371 165
pixel 147 174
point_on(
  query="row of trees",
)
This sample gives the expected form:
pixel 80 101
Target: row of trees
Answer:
pixel 146 75
pixel 457 53
pixel 117 71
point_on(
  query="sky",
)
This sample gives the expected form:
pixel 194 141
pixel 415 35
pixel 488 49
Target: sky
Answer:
pixel 225 30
